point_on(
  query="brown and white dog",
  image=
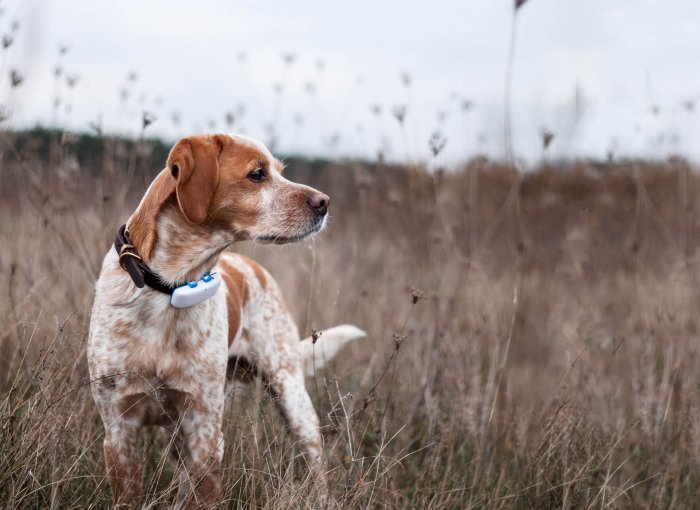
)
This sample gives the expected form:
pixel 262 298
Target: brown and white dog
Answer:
pixel 154 364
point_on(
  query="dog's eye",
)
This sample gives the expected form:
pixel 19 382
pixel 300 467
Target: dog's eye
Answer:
pixel 257 175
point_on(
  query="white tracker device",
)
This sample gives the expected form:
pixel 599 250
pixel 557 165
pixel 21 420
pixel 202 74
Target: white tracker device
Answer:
pixel 193 293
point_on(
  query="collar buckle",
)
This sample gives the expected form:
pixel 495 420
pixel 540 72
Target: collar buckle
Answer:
pixel 131 262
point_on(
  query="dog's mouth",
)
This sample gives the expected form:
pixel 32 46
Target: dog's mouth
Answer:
pixel 285 238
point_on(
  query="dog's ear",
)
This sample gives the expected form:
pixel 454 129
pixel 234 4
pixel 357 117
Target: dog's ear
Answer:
pixel 194 163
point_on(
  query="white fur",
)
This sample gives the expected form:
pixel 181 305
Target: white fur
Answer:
pixel 253 143
pixel 314 356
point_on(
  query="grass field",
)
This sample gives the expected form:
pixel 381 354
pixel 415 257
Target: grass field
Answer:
pixel 532 337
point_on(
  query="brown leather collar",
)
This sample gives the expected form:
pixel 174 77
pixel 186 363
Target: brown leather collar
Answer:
pixel 132 263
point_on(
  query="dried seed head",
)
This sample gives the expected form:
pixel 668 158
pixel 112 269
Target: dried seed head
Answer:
pixel 7 41
pixel 406 79
pixel 416 295
pixel 315 335
pixel 96 126
pixel 230 119
pixel 400 113
pixel 376 110
pixel 547 138
pixel 437 143
pixel 398 340
pixel 519 4
pixel 16 78
pixel 466 105
pixel 71 81
pixel 147 119
pixel 289 58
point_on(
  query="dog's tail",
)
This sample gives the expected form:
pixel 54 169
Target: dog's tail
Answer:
pixel 328 344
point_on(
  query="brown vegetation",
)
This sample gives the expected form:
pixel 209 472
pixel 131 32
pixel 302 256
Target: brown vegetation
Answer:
pixel 532 337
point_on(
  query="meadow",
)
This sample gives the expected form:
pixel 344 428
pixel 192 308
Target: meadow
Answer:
pixel 532 336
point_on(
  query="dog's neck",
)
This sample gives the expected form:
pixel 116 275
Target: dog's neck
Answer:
pixel 184 251
pixel 174 248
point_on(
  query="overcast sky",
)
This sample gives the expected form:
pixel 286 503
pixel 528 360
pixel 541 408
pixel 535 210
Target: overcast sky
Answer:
pixel 602 75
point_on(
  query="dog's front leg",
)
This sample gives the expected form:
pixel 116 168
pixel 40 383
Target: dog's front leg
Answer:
pixel 203 448
pixel 121 449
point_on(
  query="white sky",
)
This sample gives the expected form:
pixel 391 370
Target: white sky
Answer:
pixel 623 57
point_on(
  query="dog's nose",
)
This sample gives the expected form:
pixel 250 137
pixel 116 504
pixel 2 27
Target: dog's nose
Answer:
pixel 318 202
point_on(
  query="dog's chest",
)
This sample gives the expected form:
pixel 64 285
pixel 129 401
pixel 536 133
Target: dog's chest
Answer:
pixel 148 339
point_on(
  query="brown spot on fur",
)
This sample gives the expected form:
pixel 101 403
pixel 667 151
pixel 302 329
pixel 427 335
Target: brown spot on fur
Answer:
pixel 236 297
pixel 163 409
pixel 145 361
pixel 123 328
pixel 142 224
pixel 134 407
pixel 194 163
pixel 257 269
pixel 236 203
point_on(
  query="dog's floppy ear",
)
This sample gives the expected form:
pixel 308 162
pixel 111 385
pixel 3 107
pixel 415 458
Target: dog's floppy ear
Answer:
pixel 194 163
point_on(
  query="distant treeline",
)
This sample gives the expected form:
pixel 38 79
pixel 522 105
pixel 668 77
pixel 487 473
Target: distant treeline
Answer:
pixel 45 145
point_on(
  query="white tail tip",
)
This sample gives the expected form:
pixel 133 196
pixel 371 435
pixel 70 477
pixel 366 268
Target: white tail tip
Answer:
pixel 328 344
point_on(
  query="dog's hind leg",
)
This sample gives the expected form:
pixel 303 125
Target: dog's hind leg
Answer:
pixel 286 387
pixel 288 391
pixel 281 371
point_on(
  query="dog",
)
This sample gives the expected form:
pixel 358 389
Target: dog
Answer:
pixel 175 318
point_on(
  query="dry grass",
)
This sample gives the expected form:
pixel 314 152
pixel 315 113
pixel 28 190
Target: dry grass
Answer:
pixel 532 338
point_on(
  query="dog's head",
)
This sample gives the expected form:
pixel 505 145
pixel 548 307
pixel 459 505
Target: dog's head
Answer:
pixel 232 183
